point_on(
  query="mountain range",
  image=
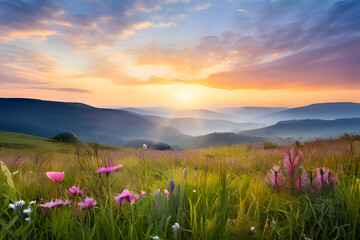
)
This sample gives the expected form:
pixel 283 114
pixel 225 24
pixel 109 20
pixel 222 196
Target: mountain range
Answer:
pixel 181 129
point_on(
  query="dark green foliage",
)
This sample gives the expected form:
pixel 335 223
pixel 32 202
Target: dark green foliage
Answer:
pixel 67 137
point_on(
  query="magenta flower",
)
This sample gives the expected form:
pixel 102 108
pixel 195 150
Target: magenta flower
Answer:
pixel 56 176
pixel 292 161
pixel 166 192
pixel 109 168
pixel 324 180
pixel 66 202
pixel 302 181
pixel 274 179
pixel 52 204
pixel 87 203
pixel 194 191
pixel 143 193
pixel 76 191
pixel 125 197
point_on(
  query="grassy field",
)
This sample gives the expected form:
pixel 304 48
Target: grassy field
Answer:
pixel 214 193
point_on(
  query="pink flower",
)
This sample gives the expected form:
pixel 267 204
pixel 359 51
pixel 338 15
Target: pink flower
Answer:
pixel 66 202
pixel 166 192
pixel 76 191
pixel 108 168
pixel 143 193
pixel 52 204
pixel 56 176
pixel 274 179
pixel 324 179
pixel 302 181
pixel 126 196
pixel 87 203
pixel 292 161
pixel 194 191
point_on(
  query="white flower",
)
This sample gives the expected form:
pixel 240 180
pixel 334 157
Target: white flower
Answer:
pixel 155 238
pixel 175 227
pixel 276 168
pixel 27 219
pixel 144 146
pixel 21 202
pixel 32 203
pixel 27 211
pixel 252 229
pixel 12 205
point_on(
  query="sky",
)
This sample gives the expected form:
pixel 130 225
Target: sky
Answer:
pixel 181 53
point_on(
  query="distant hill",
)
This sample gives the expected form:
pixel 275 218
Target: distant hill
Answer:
pixel 250 113
pixel 309 128
pixel 324 111
pixel 48 118
pixel 198 126
pixel 202 113
pixel 213 139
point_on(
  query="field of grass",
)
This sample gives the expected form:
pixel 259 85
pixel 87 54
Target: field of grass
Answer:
pixel 214 193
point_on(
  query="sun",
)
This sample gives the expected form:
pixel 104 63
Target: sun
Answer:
pixel 184 97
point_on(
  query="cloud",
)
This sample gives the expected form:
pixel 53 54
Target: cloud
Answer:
pixel 23 19
pixel 74 90
pixel 302 54
pixel 202 6
pixel 21 66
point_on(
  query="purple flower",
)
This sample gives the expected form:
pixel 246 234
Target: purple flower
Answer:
pixel 87 203
pixel 324 179
pixel 76 191
pixel 274 179
pixel 109 169
pixel 172 185
pixel 66 202
pixel 125 197
pixel 52 204
pixel 292 161
pixel 302 181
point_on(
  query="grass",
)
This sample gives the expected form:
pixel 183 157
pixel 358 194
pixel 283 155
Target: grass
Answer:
pixel 231 195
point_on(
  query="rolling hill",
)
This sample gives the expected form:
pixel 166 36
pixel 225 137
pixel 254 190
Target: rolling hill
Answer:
pixel 324 111
pixel 47 118
pixel 198 126
pixel 309 128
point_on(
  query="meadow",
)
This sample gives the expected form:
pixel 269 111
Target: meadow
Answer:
pixel 225 192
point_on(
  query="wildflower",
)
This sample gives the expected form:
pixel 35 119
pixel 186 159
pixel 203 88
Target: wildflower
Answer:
pixel 66 202
pixel 109 169
pixel 175 227
pixel 52 204
pixel 17 206
pixel 76 191
pixel 27 219
pixel 324 180
pixel 292 161
pixel 186 172
pixel 276 168
pixel 56 176
pixel 194 191
pixel 172 185
pixel 252 229
pixel 301 182
pixel 143 193
pixel 155 238
pixel 87 203
pixel 32 203
pixel 166 192
pixel 274 179
pixel 145 147
pixel 27 210
pixel 126 196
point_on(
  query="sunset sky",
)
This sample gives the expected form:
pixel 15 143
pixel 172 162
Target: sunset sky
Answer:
pixel 181 53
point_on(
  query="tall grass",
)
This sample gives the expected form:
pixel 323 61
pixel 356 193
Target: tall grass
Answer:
pixel 230 196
